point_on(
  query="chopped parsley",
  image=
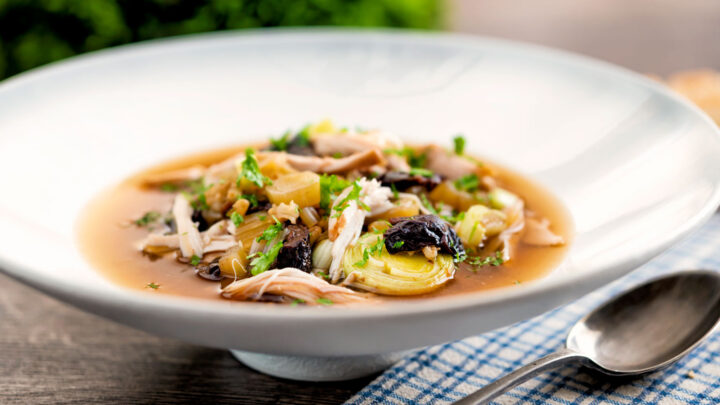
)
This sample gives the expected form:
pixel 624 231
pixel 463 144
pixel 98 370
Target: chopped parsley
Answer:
pixel 330 185
pixel 353 195
pixel 469 182
pixel 459 142
pixel 252 198
pixel 153 286
pixel 263 261
pixel 251 171
pixel 280 143
pixel 472 231
pixel 271 232
pixel 148 218
pixel 428 204
pixel 262 217
pixel 374 250
pixel 303 137
pixel 419 171
pixel 495 260
pixel 297 302
pixel 394 191
pixel 195 260
pixel 323 275
pixel 414 159
pixel 337 155
pixel 398 244
pixel 236 219
pixel 324 301
pixel 169 187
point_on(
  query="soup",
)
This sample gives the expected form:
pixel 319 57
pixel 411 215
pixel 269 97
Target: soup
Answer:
pixel 326 216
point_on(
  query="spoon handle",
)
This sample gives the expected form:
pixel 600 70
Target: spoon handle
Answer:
pixel 524 373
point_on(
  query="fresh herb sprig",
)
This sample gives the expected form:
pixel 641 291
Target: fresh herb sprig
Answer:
pixel 330 185
pixel 250 170
pixel 373 250
pixel 495 260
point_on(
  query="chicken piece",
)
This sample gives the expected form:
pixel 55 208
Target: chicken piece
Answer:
pixel 191 243
pixel 344 229
pixel 349 143
pixel 291 283
pixel 285 212
pixel 448 165
pixel 329 165
pixel 538 233
pixel 217 238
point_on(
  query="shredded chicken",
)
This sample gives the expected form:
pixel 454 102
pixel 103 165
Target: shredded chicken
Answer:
pixel 217 238
pixel 448 165
pixel 538 233
pixel 285 212
pixel 330 165
pixel 190 241
pixel 430 252
pixel 292 283
pixel 349 143
pixel 345 229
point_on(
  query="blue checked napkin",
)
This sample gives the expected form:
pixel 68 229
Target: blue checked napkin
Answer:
pixel 442 374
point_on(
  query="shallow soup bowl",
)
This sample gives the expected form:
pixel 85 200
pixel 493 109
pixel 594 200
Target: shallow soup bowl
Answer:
pixel 636 166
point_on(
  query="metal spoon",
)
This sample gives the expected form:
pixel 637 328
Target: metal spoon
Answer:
pixel 643 330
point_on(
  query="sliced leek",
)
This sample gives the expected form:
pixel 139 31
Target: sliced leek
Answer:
pixel 399 274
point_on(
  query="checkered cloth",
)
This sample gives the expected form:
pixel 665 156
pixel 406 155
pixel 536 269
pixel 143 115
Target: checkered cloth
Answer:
pixel 442 374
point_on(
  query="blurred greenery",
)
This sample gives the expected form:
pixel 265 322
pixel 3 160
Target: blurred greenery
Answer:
pixel 35 32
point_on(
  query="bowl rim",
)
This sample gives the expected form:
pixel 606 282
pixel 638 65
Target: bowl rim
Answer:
pixel 593 278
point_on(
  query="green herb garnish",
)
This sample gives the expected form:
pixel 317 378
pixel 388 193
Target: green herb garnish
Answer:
pixel 252 198
pixel 297 302
pixel 303 137
pixel 413 158
pixel 394 191
pixel 495 260
pixel 330 185
pixel 459 142
pixel 428 204
pixel 374 250
pixel 263 261
pixel 469 183
pixel 148 218
pixel 324 301
pixel 398 244
pixel 153 286
pixel 281 143
pixel 353 195
pixel 418 171
pixel 337 155
pixel 169 187
pixel 195 260
pixel 271 232
pixel 251 171
pixel 236 219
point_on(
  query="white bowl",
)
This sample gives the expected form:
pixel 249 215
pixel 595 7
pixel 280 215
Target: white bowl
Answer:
pixel 637 166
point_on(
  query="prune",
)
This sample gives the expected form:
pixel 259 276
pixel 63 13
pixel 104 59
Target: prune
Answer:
pixel 403 180
pixel 296 251
pixel 410 234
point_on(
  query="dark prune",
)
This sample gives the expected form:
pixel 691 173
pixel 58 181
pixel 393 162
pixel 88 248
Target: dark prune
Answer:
pixel 199 218
pixel 403 180
pixel 410 234
pixel 209 271
pixel 298 145
pixel 296 251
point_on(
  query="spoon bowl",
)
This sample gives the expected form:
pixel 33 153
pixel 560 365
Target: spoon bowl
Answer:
pixel 641 330
pixel 651 326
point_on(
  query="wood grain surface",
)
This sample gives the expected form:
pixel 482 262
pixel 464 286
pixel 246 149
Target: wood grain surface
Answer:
pixel 51 353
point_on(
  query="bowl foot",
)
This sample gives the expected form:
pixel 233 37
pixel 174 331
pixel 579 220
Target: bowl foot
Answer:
pixel 303 368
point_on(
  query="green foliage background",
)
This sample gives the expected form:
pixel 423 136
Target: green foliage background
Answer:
pixel 35 32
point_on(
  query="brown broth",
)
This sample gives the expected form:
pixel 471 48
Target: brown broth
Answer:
pixel 108 239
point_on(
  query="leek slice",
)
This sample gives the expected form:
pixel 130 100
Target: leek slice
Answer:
pixel 399 274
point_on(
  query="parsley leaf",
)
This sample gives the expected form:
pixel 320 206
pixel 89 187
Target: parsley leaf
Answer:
pixel 195 260
pixel 495 260
pixel 280 143
pixel 419 171
pixel 353 195
pixel 469 182
pixel 414 159
pixel 271 232
pixel 169 187
pixel 428 204
pixel 153 286
pixel 324 301
pixel 374 250
pixel 263 261
pixel 330 185
pixel 459 142
pixel 303 137
pixel 297 302
pixel 236 219
pixel 252 198
pixel 148 218
pixel 251 171
pixel 398 244
pixel 394 191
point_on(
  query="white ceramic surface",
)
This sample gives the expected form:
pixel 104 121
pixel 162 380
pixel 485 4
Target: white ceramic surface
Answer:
pixel 637 166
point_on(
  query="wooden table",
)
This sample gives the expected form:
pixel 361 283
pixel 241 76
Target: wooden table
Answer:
pixel 53 353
